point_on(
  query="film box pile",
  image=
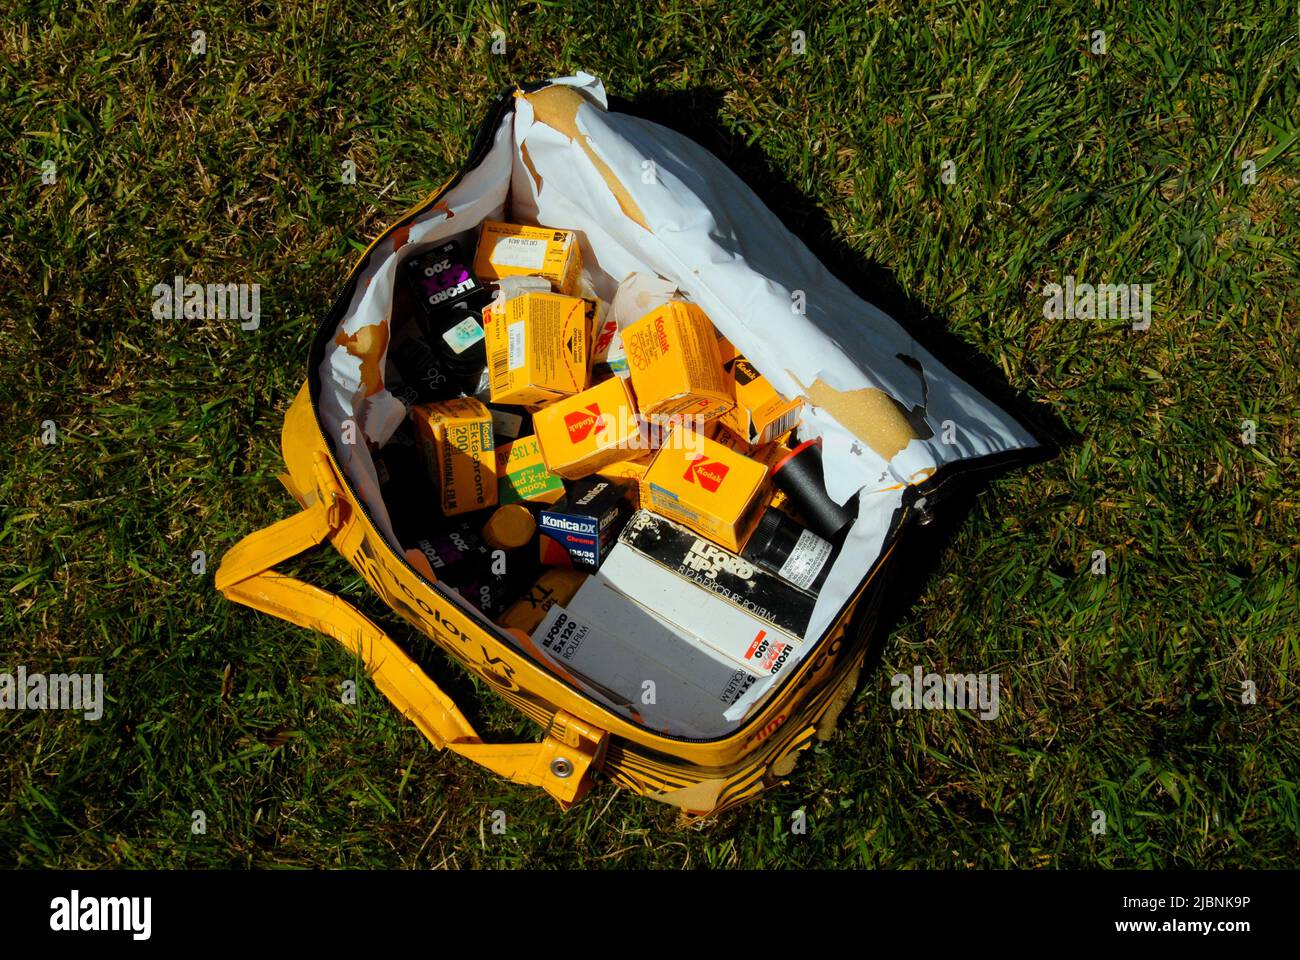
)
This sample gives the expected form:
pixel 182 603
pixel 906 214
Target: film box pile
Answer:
pixel 596 433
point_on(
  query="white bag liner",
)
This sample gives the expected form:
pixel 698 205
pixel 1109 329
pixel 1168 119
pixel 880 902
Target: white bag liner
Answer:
pixel 712 237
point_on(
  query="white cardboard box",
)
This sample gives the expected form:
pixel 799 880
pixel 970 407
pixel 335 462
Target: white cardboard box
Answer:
pixel 710 621
pixel 639 665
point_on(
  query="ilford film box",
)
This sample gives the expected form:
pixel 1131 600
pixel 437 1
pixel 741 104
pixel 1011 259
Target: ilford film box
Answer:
pixel 712 622
pixel 675 365
pixel 760 414
pixel 536 348
pixel 455 438
pixel 589 430
pixel 516 250
pixel 638 664
pixel 713 490
pixel 757 591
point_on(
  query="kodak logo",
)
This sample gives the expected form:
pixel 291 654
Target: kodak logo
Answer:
pixel 661 335
pixel 709 474
pixel 582 423
pixel 744 371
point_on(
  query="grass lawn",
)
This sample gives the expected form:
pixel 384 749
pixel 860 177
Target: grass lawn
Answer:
pixel 1121 693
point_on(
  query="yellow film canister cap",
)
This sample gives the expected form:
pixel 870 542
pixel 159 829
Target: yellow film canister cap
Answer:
pixel 510 527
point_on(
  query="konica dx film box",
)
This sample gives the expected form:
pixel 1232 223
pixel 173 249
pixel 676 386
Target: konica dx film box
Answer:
pixel 586 523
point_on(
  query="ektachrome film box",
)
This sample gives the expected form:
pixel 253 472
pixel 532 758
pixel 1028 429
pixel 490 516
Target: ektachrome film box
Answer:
pixel 522 474
pixel 455 438
pixel 536 348
pixel 760 414
pixel 581 434
pixel 702 484
pixel 707 619
pixel 516 250
pixel 675 364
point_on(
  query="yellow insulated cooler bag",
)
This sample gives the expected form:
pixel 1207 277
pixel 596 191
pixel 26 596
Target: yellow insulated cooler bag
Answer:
pixel 894 423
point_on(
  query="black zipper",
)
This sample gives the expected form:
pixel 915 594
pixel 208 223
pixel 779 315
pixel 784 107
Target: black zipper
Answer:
pixel 934 490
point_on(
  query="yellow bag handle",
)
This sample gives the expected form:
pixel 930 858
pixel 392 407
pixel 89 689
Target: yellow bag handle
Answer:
pixel 560 763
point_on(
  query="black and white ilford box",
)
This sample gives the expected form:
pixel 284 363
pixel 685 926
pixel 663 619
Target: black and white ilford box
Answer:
pixel 639 664
pixel 755 590
pixel 702 616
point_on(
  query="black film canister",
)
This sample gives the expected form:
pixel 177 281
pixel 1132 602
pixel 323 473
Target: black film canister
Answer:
pixel 796 555
pixel 799 474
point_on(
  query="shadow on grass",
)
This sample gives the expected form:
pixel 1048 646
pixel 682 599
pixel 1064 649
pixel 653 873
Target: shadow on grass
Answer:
pixel 697 114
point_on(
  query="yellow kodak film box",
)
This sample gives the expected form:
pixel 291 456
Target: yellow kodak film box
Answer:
pixel 714 431
pixel 536 348
pixel 590 430
pixel 522 473
pixel 702 484
pixel 556 585
pixel 455 438
pixel 516 250
pixel 760 414
pixel 675 365
pixel 767 454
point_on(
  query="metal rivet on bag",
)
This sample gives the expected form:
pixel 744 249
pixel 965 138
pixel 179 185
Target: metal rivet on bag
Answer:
pixel 561 768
